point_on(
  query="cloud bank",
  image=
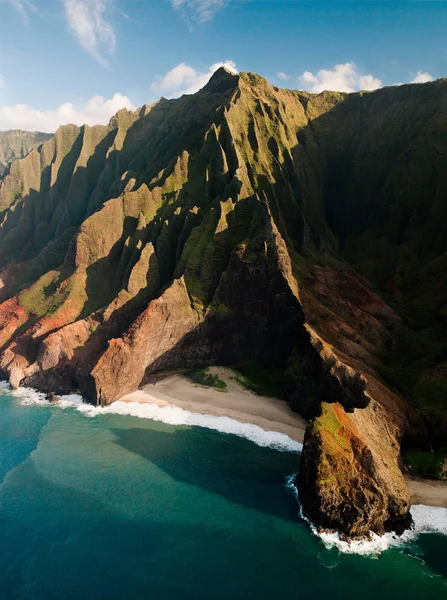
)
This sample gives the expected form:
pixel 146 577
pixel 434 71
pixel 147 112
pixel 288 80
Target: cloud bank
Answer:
pixel 345 77
pixel 342 78
pixel 96 111
pixel 422 77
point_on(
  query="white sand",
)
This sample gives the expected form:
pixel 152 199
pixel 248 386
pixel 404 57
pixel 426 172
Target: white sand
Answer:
pixel 244 406
pixel 424 491
pixel 235 402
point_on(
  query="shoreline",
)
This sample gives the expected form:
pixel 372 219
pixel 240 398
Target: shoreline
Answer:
pixel 270 414
pixel 427 491
pixel 236 402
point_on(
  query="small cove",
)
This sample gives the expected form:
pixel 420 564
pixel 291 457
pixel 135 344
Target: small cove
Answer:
pixel 117 506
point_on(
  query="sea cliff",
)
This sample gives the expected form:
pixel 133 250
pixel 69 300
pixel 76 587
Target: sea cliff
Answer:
pixel 246 223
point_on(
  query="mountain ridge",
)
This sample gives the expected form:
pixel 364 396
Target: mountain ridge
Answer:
pixel 17 143
pixel 243 222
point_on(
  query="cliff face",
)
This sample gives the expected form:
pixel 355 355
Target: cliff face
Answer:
pixel 16 144
pixel 237 224
pixel 350 477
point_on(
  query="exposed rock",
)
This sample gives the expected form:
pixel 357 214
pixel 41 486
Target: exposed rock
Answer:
pixel 157 330
pixel 350 477
pixel 245 223
pixel 53 398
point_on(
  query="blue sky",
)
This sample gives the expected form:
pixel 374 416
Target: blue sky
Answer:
pixel 81 60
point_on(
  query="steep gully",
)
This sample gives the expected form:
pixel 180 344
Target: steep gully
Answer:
pixel 204 255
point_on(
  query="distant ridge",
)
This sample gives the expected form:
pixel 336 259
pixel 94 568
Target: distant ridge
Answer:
pixel 16 143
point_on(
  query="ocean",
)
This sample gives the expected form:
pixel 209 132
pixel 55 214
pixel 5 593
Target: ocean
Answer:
pixel 100 505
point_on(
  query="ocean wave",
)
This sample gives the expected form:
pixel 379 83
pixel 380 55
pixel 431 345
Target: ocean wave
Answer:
pixel 29 396
pixel 427 519
pixel 171 415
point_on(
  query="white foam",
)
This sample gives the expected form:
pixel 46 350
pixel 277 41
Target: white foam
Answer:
pixel 29 396
pixel 170 415
pixel 173 415
pixel 427 519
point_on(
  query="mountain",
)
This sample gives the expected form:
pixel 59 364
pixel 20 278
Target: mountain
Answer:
pixel 248 223
pixel 17 144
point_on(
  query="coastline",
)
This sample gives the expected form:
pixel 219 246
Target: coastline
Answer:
pixel 427 491
pixel 270 414
pixel 235 402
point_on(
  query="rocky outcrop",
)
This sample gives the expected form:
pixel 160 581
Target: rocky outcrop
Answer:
pixel 159 329
pixel 350 477
pixel 242 223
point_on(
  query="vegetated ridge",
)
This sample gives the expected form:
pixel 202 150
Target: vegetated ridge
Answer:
pixel 16 143
pixel 246 223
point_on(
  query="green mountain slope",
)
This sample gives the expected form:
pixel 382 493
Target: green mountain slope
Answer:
pixel 247 223
pixel 17 144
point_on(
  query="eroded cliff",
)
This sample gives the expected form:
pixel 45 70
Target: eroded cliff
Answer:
pixel 221 228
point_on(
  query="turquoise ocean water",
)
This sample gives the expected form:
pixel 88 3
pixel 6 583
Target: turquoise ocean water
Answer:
pixel 117 506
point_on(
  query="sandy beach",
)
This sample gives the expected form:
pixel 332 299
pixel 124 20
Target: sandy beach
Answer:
pixel 268 413
pixel 235 402
pixel 432 493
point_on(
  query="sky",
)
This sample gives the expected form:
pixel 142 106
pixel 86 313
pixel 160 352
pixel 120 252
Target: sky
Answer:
pixel 79 61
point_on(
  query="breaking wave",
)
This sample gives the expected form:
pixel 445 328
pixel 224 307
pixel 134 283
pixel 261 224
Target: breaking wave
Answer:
pixel 427 519
pixel 170 415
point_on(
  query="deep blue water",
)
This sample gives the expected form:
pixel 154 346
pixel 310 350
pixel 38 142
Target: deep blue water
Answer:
pixel 116 507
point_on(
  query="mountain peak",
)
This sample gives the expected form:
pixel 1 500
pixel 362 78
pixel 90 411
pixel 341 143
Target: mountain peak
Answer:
pixel 238 225
pixel 221 80
pixel 223 71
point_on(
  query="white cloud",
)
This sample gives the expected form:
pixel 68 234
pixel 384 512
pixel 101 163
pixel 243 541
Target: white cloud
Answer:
pixel 342 78
pixel 199 10
pixel 184 79
pixel 23 7
pixel 87 19
pixel 346 78
pixel 369 83
pixel 96 111
pixel 422 77
pixel 282 75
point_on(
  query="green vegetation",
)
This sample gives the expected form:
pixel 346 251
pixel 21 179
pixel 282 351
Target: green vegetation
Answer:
pixel 205 378
pixel 16 144
pixel 45 296
pixel 261 380
pixel 430 395
pixel 199 187
pixel 328 423
pixel 404 368
pixel 427 464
